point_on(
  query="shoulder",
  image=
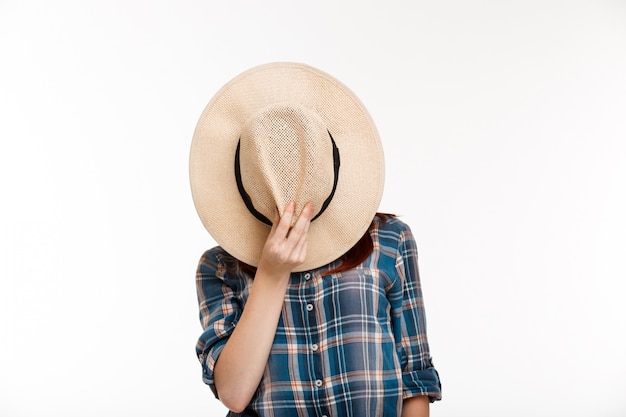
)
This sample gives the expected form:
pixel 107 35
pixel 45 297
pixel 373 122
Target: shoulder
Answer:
pixel 217 255
pixel 218 263
pixel 390 230
pixel 393 237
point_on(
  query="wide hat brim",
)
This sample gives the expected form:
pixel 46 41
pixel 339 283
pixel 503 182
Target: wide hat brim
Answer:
pixel 211 164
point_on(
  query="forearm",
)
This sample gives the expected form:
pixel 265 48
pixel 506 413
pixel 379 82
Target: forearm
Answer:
pixel 241 364
pixel 416 406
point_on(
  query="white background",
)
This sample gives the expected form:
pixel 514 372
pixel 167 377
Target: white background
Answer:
pixel 505 135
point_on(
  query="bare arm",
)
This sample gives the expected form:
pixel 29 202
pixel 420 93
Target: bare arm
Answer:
pixel 416 407
pixel 242 362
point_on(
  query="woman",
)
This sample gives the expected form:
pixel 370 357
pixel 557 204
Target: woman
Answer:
pixel 311 305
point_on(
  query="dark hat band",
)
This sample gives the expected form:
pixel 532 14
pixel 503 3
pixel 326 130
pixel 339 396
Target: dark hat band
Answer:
pixel 248 201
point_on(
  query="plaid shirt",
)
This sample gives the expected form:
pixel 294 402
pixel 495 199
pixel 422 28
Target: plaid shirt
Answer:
pixel 347 344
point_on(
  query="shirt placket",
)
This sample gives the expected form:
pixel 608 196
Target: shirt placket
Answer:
pixel 314 344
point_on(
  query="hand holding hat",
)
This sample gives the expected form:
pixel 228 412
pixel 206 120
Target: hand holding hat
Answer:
pixel 286 246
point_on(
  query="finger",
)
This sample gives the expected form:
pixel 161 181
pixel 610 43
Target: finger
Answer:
pixel 305 218
pixel 301 246
pixel 275 222
pixel 302 224
pixel 285 220
pixel 301 249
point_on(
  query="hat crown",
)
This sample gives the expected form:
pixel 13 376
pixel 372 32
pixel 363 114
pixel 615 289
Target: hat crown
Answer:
pixel 286 155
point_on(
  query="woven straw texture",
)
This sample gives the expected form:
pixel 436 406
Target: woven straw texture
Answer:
pixel 286 155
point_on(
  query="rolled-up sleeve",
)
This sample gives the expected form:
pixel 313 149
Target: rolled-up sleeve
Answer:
pixel 419 376
pixel 220 308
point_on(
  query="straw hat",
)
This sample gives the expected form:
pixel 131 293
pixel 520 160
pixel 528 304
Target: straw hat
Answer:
pixel 281 132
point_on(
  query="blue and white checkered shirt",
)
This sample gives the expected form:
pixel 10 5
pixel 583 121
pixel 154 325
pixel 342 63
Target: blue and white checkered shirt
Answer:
pixel 347 344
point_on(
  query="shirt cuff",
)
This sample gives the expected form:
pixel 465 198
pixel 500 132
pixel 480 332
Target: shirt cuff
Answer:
pixel 422 382
pixel 208 365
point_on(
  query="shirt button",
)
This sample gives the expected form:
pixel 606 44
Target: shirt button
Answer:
pixel 309 307
pixel 314 347
pixel 318 383
pixel 307 276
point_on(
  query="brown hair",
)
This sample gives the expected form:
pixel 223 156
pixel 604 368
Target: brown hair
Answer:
pixel 356 255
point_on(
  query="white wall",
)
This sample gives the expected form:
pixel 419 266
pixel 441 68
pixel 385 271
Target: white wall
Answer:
pixel 504 129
